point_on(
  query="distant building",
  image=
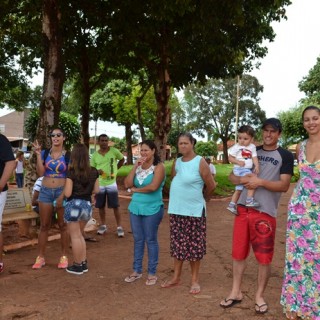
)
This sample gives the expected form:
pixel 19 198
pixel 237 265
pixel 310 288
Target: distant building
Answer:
pixel 12 126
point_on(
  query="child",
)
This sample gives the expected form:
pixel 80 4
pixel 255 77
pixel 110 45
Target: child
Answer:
pixel 244 157
pixel 35 194
pixel 82 181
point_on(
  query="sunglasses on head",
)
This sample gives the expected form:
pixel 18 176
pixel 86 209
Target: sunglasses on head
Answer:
pixel 52 135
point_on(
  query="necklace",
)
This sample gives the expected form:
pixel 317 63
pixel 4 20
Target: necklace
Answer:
pixel 55 155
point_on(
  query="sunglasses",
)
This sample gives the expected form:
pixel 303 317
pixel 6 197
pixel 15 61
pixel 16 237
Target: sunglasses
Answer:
pixel 52 135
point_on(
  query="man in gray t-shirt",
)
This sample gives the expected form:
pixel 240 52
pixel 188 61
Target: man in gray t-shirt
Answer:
pixel 255 227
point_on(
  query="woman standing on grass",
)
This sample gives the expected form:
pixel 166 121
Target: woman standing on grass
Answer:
pixel 191 187
pixel 146 180
pixel 82 181
pixel 301 285
pixel 52 164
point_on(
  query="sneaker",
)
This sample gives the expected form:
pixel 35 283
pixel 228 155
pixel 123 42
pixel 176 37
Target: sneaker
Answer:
pixel 102 229
pixel 120 232
pixel 40 262
pixel 75 269
pixel 84 266
pixel 1 267
pixel 63 263
pixel 233 210
pixel 252 204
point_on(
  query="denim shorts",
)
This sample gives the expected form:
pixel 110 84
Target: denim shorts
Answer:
pixel 48 195
pixel 77 210
pixel 3 198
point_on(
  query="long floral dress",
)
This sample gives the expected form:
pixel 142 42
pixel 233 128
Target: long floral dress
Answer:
pixel 301 284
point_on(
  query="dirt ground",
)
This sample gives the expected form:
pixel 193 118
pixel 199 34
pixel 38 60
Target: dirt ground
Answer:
pixel 101 293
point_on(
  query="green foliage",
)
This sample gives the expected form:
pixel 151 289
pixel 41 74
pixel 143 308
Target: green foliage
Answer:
pixel 212 107
pixel 119 143
pixel 310 84
pixel 206 149
pixel 68 123
pixel 292 127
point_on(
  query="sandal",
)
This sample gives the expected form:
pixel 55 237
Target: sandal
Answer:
pixel 152 280
pixel 195 289
pixel 169 284
pixel 133 277
pixel 261 309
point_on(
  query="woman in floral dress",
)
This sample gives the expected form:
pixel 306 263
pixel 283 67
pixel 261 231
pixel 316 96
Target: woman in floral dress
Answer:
pixel 301 285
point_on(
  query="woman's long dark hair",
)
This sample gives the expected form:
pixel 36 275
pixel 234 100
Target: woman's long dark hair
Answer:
pixel 152 146
pixel 79 166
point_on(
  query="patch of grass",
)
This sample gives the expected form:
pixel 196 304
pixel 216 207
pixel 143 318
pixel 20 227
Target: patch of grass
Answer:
pixel 224 188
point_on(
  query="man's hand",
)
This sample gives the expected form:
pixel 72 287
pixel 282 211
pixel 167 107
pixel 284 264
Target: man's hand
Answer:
pixel 251 181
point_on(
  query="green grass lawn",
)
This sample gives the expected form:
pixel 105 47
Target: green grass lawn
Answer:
pixel 224 188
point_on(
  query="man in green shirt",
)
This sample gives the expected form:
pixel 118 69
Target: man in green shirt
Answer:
pixel 107 160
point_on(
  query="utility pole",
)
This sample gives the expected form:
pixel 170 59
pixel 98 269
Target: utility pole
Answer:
pixel 237 108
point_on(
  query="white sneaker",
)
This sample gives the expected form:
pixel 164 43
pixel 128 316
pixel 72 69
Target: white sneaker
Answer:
pixel 102 229
pixel 120 232
pixel 232 210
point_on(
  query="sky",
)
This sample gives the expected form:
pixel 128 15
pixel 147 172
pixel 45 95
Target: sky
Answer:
pixel 290 57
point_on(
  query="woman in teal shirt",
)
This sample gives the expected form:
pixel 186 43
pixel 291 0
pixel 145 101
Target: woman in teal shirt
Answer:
pixel 145 181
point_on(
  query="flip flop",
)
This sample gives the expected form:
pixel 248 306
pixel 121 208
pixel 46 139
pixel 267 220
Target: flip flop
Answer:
pixel 90 239
pixel 233 302
pixel 167 284
pixel 151 281
pixel 258 308
pixel 133 278
pixel 195 289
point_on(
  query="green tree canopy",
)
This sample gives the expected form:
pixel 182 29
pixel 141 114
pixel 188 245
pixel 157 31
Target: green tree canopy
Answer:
pixel 206 149
pixel 212 107
pixel 310 84
pixel 68 123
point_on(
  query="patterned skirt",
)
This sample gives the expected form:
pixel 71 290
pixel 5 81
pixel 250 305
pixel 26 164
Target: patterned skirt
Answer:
pixel 187 237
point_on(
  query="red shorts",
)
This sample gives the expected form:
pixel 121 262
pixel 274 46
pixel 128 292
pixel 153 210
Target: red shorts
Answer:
pixel 256 228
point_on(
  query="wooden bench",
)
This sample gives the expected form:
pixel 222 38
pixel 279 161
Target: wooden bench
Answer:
pixel 18 208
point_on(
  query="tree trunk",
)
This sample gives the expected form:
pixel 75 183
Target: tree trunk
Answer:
pixel 86 94
pixel 139 115
pixel 163 119
pixel 140 122
pixel 53 80
pixel 128 133
pixel 53 71
pixel 85 111
pixel 225 150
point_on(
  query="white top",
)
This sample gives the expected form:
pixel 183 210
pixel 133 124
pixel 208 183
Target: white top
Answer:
pixel 243 153
pixel 19 168
pixel 212 168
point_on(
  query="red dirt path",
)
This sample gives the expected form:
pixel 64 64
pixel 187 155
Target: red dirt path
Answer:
pixel 50 293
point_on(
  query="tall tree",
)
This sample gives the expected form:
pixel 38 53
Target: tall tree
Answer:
pixel 178 41
pixel 212 107
pixel 54 71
